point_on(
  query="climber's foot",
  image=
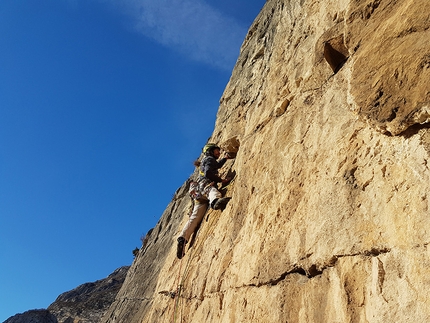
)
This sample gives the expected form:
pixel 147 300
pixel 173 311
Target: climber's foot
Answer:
pixel 181 247
pixel 220 204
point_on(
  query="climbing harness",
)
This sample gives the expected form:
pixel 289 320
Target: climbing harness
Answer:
pixel 194 191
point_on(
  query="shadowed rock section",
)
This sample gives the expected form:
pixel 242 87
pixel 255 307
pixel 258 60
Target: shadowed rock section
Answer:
pixel 335 53
pixel 88 302
pixel 33 316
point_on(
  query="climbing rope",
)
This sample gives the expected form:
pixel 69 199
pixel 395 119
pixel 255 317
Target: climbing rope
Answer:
pixel 177 293
pixel 194 250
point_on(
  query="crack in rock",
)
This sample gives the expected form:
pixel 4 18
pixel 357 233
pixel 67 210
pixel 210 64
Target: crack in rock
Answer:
pixel 317 270
pixel 312 271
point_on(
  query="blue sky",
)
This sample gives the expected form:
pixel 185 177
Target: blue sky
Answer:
pixel 104 104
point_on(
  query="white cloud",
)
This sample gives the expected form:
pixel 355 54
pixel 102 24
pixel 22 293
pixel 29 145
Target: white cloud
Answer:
pixel 191 27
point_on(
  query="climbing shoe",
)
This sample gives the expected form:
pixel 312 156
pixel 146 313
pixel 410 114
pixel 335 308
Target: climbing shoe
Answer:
pixel 181 247
pixel 220 204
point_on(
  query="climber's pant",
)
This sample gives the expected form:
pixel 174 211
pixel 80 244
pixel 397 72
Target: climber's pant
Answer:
pixel 196 217
pixel 213 194
pixel 200 207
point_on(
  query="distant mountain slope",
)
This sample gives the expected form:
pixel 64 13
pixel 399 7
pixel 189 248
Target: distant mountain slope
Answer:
pixel 33 316
pixel 86 303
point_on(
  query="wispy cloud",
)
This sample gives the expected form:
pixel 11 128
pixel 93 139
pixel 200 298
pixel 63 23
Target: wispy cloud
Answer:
pixel 191 27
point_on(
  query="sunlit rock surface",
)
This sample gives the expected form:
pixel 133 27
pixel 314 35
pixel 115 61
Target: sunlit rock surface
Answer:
pixel 329 218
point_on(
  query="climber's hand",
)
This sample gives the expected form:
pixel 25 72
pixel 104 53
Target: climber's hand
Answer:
pixel 226 180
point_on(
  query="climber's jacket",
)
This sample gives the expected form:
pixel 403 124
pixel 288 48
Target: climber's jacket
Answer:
pixel 209 169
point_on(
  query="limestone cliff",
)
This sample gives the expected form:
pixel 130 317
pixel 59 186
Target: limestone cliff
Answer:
pixel 329 218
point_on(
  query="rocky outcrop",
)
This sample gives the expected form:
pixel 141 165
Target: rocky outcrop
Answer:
pixel 329 217
pixel 33 316
pixel 88 302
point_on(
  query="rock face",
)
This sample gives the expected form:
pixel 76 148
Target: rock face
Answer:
pixel 88 302
pixel 329 220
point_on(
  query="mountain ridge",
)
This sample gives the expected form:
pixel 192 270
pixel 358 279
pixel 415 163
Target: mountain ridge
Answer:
pixel 86 303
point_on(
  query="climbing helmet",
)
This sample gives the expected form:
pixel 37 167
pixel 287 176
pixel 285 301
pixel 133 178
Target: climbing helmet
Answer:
pixel 209 148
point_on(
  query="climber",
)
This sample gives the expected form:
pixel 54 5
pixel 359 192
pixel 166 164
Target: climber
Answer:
pixel 205 192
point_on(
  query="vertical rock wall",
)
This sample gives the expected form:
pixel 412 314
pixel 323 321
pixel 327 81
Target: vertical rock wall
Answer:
pixel 329 219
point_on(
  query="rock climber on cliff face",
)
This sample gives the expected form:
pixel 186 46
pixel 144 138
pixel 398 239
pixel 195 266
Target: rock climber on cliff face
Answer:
pixel 205 192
